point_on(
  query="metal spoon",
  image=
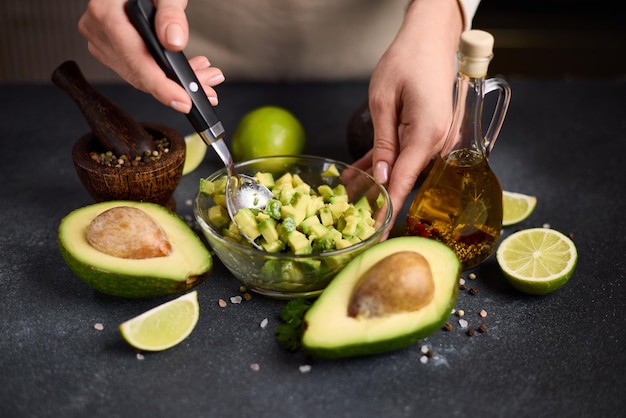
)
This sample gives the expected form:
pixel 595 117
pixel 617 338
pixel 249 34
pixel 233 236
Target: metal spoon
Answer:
pixel 242 191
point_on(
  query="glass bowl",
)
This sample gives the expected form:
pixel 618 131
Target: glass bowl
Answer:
pixel 286 275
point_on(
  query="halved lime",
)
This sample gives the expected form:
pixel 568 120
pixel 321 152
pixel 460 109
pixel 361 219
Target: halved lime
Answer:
pixel 195 149
pixel 537 260
pixel 516 207
pixel 164 326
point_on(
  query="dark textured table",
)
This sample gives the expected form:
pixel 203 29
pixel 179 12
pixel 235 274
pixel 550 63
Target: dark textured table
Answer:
pixel 558 355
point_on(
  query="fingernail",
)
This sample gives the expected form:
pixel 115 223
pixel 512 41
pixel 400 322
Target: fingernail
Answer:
pixel 381 172
pixel 213 101
pixel 174 34
pixel 219 78
pixel 181 107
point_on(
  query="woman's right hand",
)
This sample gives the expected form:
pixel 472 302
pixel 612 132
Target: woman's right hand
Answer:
pixel 113 40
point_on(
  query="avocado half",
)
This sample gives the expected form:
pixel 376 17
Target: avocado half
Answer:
pixel 329 330
pixel 188 264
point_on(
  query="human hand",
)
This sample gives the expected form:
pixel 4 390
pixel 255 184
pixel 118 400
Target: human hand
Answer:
pixel 113 40
pixel 410 98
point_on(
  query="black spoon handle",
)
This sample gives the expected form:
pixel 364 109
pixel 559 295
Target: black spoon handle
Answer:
pixel 176 67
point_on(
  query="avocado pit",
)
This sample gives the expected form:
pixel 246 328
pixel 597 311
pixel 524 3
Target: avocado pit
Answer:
pixel 128 232
pixel 400 282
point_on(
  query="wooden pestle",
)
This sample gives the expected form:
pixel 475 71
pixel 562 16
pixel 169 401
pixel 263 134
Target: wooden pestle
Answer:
pixel 112 126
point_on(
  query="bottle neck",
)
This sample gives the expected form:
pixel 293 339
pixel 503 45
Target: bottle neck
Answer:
pixel 466 128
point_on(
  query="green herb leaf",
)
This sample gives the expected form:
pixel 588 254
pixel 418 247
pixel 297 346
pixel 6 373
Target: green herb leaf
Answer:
pixel 289 333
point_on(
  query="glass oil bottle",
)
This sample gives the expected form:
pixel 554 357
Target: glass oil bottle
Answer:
pixel 460 201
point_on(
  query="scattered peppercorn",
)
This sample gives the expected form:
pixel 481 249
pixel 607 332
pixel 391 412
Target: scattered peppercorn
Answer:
pixel 483 313
pixel 473 291
pixel 482 328
pixel 462 287
pixel 470 332
pixel 447 326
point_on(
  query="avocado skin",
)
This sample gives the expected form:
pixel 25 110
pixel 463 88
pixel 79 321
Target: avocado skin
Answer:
pixel 115 284
pixel 402 338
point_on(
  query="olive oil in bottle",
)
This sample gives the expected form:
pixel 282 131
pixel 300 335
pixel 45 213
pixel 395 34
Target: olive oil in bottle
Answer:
pixel 460 202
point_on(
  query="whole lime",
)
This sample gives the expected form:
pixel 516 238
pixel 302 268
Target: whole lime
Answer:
pixel 267 131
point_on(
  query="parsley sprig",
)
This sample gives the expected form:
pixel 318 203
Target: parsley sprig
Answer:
pixel 289 333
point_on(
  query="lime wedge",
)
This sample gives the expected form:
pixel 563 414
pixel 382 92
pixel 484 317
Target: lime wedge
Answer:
pixel 194 152
pixel 164 326
pixel 516 207
pixel 537 260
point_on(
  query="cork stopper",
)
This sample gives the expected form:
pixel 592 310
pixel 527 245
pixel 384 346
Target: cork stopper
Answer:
pixel 475 52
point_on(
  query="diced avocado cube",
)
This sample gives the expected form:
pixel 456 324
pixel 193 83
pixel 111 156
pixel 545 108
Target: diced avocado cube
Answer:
pixel 331 171
pixel 354 240
pixel 213 187
pixel 324 244
pixel 299 243
pixel 219 199
pixel 363 204
pixel 301 201
pixel 380 200
pixel 338 209
pixel 296 180
pixel 303 188
pixel 246 222
pixel 340 190
pixel 290 211
pixel 326 216
pixel 231 235
pixel 309 265
pixel 218 216
pixel 318 230
pixel 283 271
pixel 350 227
pixel 343 243
pixel 366 232
pixel 207 187
pixel 306 225
pixel 267 227
pixel 287 226
pixel 284 180
pixel 272 208
pixel 266 179
pixel 315 204
pixel 261 216
pixel 286 195
pixel 334 234
pixel 232 227
pixel 273 247
pixel 325 191
pixel 339 198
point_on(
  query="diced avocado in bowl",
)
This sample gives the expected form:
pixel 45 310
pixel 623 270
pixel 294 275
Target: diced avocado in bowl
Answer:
pixel 324 213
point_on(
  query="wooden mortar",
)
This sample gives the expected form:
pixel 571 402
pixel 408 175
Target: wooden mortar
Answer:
pixel 154 181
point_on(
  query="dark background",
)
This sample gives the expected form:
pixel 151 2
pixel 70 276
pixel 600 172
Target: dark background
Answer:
pixel 549 38
pixel 555 38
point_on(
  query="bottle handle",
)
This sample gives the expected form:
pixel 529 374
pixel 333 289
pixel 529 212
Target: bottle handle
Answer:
pixel 504 97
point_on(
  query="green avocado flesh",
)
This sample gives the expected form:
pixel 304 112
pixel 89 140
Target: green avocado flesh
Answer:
pixel 330 332
pixel 187 265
